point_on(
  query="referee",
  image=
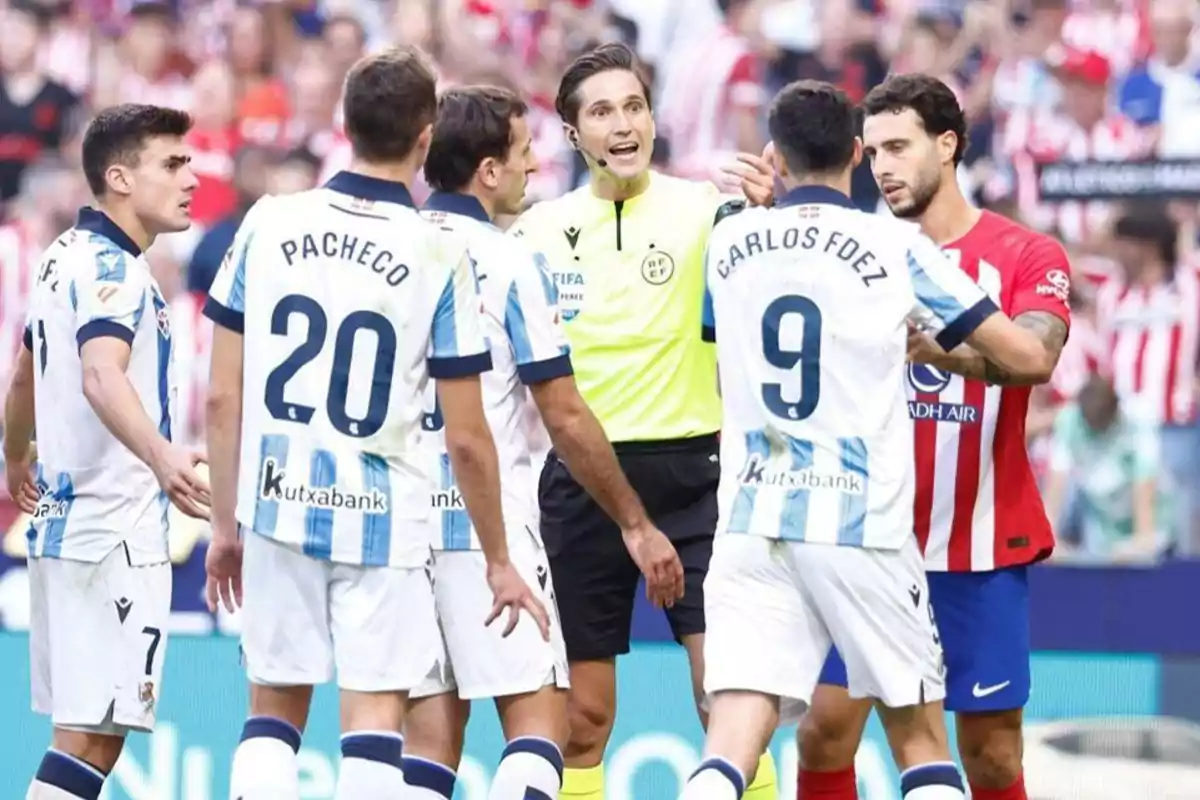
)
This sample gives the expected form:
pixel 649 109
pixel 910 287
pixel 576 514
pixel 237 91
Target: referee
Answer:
pixel 626 252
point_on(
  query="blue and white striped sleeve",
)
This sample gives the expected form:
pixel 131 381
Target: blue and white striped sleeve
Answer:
pixel 109 299
pixel 534 324
pixel 948 303
pixel 457 346
pixel 226 304
pixel 708 320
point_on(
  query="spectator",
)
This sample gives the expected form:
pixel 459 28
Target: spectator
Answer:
pixel 1106 452
pixel 250 182
pixel 35 112
pixel 1150 318
pixel 214 140
pixel 1163 94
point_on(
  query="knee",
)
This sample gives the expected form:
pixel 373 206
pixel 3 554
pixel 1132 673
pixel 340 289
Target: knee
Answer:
pixel 590 719
pixel 991 751
pixel 826 742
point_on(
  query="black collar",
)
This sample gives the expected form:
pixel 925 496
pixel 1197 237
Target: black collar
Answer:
pixel 803 195
pixel 94 221
pixel 368 188
pixel 455 203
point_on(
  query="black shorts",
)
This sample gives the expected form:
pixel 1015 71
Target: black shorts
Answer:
pixel 595 580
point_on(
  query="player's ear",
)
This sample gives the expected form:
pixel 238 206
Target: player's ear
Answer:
pixel 572 135
pixel 424 138
pixel 776 158
pixel 947 143
pixel 118 179
pixel 489 172
pixel 857 158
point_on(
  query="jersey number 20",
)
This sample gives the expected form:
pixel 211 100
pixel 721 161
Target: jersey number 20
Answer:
pixel 808 356
pixel 343 352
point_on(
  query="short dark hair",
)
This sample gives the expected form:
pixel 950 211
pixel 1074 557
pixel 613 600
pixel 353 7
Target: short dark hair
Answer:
pixel 117 135
pixel 1150 224
pixel 931 100
pixel 605 58
pixel 473 123
pixel 813 125
pixel 389 99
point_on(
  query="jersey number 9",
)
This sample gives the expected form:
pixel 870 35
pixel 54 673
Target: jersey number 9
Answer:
pixel 343 352
pixel 808 356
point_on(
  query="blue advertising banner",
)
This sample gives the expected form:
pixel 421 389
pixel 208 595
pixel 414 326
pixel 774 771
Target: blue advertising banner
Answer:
pixel 655 745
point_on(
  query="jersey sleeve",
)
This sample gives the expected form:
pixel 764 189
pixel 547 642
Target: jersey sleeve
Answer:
pixel 226 303
pixel 1043 280
pixel 457 346
pixel 534 325
pixel 110 298
pixel 948 303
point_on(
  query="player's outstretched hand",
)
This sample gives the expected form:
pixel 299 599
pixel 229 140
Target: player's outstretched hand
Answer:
pixel 754 175
pixel 175 468
pixel 510 591
pixel 22 485
pixel 223 566
pixel 657 560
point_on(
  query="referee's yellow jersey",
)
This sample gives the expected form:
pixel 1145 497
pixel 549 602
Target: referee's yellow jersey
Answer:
pixel 630 279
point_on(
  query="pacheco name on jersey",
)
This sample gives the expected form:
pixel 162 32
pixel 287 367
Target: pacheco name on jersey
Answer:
pixel 929 380
pixel 273 485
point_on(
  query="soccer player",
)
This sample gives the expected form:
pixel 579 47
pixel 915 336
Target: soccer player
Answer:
pixel 626 254
pixel 478 162
pixel 96 374
pixel 332 311
pixel 978 515
pixel 809 304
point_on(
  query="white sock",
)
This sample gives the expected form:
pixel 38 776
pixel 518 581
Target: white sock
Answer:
pixel 936 781
pixel 427 780
pixel 530 769
pixel 264 764
pixel 715 779
pixel 64 777
pixel 370 766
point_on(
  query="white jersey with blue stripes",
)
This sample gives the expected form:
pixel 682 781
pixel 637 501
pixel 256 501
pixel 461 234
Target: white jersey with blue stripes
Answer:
pixel 809 303
pixel 528 345
pixel 349 303
pixel 93 281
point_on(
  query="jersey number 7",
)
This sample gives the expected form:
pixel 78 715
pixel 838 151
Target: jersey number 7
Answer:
pixel 808 356
pixel 343 352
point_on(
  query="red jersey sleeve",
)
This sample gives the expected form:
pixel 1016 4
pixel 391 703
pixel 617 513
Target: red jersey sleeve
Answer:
pixel 1043 279
pixel 744 88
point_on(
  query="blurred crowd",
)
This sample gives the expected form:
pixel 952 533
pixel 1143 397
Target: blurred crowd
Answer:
pixel 1114 436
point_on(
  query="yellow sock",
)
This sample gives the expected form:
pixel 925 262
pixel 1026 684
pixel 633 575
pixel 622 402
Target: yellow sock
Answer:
pixel 588 783
pixel 763 786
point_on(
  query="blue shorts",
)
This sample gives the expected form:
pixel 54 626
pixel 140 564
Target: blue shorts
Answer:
pixel 983 622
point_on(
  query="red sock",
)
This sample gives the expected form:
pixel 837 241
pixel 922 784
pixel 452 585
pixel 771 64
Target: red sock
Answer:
pixel 840 785
pixel 1014 792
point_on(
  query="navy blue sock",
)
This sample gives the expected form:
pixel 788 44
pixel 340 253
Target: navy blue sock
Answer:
pixel 429 775
pixel 272 728
pixel 72 775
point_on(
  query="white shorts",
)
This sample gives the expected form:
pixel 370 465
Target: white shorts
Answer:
pixel 482 662
pixel 97 641
pixel 773 608
pixel 301 616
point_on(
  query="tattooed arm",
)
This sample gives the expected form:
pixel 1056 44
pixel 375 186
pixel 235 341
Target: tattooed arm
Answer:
pixel 1049 328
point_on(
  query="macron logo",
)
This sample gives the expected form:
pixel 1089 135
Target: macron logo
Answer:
pixel 984 691
pixel 273 487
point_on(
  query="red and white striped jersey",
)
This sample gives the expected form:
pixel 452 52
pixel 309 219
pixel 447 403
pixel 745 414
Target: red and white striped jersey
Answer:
pixel 1081 358
pixel 18 258
pixel 977 505
pixel 1041 137
pixel 191 335
pixel 712 77
pixel 1153 341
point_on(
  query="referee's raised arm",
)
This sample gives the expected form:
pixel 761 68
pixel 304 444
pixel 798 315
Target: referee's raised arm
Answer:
pixel 626 253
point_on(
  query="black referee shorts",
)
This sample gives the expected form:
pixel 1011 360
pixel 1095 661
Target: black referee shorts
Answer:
pixel 595 580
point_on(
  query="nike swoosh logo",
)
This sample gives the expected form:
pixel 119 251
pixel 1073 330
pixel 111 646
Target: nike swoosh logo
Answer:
pixel 984 691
